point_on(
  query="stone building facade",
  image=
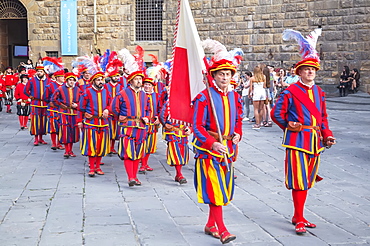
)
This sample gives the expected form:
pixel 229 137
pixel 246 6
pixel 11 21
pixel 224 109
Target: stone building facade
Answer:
pixel 253 25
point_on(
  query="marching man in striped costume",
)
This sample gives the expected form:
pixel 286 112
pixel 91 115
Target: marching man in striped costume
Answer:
pixel 214 176
pixel 66 98
pixel 35 89
pixel 94 104
pixel 301 113
pixel 176 136
pixel 52 110
pixel 131 106
pixel 151 142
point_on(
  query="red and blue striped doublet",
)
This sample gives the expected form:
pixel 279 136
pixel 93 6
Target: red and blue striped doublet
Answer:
pixel 63 98
pixel 134 106
pixel 161 91
pixel 123 82
pixel 213 183
pixel 113 89
pixel 302 148
pixel 52 111
pixel 95 135
pixel 83 85
pixel 36 88
pixel 151 142
pixel 177 141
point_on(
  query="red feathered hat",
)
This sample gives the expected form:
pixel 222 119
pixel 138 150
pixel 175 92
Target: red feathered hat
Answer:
pixel 134 74
pixel 113 73
pixel 312 62
pixel 149 80
pixel 222 65
pixel 39 67
pixel 59 73
pixel 70 75
pixel 96 75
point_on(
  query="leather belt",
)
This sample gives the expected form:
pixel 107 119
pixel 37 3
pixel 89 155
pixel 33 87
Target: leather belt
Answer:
pixel 171 128
pixel 94 117
pixel 224 137
pixel 311 127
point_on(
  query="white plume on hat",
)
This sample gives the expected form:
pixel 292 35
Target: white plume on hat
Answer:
pixel 128 61
pixel 307 45
pixel 220 52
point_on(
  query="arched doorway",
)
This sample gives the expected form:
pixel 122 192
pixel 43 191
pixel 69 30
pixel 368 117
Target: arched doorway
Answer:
pixel 13 33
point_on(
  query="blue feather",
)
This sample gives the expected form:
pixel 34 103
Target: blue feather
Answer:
pixel 105 60
pixel 51 67
pixel 307 45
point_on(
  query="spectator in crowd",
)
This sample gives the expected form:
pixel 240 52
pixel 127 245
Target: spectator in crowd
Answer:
pixel 245 92
pixel 292 78
pixel 280 81
pixel 267 103
pixel 354 80
pixel 343 81
pixel 23 102
pixel 258 95
pixel 29 65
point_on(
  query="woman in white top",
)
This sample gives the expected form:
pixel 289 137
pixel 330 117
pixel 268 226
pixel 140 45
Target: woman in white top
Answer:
pixel 258 94
pixel 245 94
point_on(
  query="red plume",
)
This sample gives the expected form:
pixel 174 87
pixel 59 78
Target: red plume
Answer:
pixel 31 73
pixel 238 59
pixel 154 59
pixel 140 51
pixel 96 59
pixel 114 65
pixel 56 61
pixel 139 57
pixel 81 68
pixel 113 56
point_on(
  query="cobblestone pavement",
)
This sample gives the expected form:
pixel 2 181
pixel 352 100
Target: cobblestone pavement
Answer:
pixel 48 200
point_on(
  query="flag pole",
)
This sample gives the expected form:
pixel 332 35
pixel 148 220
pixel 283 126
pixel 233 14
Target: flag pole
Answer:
pixel 207 82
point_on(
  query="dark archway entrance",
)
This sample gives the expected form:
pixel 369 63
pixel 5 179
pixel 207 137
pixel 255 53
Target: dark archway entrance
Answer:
pixel 13 33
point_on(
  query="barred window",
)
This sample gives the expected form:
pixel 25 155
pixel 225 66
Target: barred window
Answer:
pixel 149 20
pixel 52 53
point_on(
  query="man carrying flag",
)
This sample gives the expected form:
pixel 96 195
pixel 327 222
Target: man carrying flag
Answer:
pixel 214 139
pixel 214 176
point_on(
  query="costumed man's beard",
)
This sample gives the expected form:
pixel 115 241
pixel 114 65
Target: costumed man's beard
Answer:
pixel 137 86
pixel 98 84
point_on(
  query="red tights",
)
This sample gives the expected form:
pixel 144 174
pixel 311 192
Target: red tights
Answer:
pixel 144 160
pixel 23 120
pixel 54 139
pixel 94 162
pixel 132 167
pixel 215 217
pixel 68 147
pixel 178 170
pixel 299 199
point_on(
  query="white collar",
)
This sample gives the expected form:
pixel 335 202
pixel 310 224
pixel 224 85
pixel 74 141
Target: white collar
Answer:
pixel 308 85
pixel 218 88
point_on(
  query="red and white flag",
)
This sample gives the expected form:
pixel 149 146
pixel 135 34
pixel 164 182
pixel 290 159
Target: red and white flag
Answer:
pixel 186 79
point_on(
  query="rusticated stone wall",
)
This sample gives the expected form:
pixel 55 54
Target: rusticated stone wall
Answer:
pixel 253 25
